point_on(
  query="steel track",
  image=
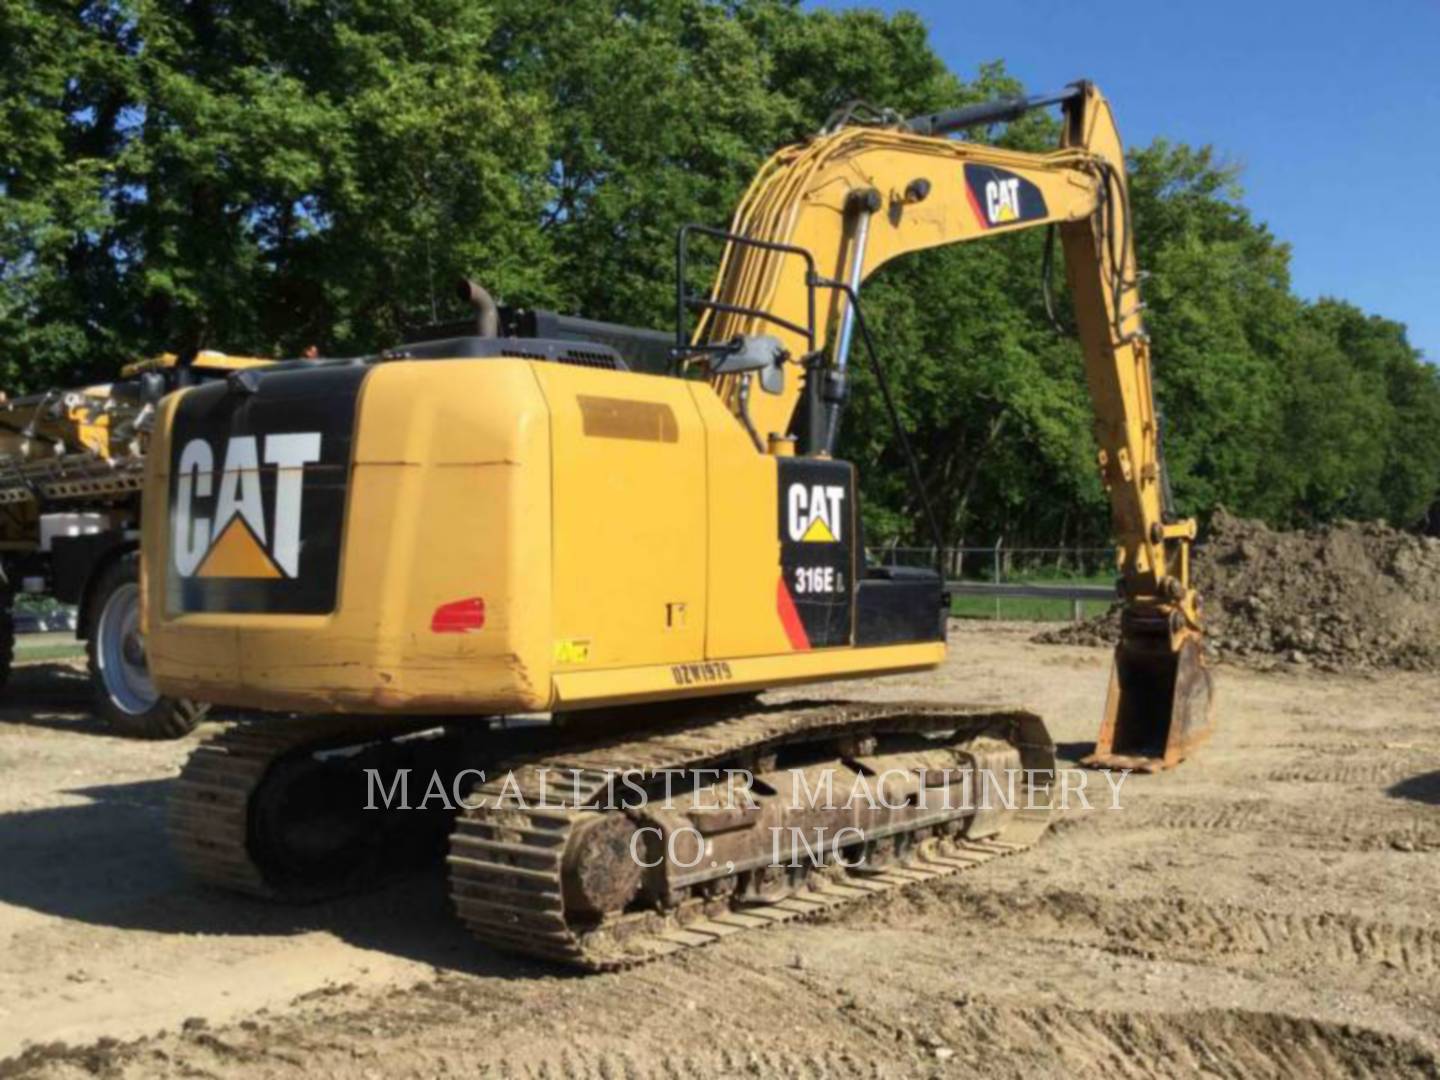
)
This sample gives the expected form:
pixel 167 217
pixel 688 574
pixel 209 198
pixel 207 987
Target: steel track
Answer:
pixel 506 860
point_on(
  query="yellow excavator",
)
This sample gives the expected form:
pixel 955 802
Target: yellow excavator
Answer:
pixel 508 568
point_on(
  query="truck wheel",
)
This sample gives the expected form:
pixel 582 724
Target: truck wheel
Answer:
pixel 125 698
pixel 7 638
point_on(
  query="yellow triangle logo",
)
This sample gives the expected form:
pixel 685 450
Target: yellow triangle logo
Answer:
pixel 237 554
pixel 818 533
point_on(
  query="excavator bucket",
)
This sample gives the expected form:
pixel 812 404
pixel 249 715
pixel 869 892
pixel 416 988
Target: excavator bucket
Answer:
pixel 1160 706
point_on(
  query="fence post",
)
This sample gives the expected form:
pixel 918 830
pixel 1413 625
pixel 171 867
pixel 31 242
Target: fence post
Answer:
pixel 1076 608
pixel 996 574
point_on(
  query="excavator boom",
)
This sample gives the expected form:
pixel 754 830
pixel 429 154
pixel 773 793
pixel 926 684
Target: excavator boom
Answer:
pixel 822 216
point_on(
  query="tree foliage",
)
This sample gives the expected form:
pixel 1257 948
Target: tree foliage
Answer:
pixel 280 173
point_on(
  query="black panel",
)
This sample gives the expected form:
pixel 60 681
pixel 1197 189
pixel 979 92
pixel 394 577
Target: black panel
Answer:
pixel 907 608
pixel 303 418
pixel 817 547
pixel 641 348
pixel 73 560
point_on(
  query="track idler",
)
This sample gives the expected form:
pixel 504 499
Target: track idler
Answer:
pixel 1161 702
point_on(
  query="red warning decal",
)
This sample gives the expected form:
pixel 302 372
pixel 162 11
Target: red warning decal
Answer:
pixel 790 618
pixel 459 616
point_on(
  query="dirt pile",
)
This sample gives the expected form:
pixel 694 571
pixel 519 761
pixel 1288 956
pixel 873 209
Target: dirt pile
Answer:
pixel 1346 596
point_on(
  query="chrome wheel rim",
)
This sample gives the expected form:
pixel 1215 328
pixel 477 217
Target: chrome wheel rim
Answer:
pixel 121 652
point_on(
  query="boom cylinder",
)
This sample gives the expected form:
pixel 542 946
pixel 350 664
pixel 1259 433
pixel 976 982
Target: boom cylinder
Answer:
pixel 989 112
pixel 860 205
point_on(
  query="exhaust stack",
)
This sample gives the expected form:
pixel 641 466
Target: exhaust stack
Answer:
pixel 487 313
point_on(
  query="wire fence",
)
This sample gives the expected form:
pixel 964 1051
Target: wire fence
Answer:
pixel 998 562
pixel 990 581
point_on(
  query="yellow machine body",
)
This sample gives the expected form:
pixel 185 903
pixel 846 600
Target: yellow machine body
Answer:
pixel 517 535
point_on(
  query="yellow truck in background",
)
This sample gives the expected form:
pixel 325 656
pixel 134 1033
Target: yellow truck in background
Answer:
pixel 71 469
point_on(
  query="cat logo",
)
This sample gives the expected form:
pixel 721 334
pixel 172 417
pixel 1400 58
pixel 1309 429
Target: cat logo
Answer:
pixel 1002 200
pixel 1000 197
pixel 233 540
pixel 816 512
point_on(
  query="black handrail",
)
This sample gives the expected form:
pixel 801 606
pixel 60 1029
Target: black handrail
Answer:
pixel 684 301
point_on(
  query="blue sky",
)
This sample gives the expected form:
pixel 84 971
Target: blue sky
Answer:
pixel 1332 109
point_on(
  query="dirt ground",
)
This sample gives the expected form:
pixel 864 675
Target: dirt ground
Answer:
pixel 1268 909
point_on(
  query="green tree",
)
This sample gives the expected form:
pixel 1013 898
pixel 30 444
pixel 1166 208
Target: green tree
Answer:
pixel 1360 420
pixel 267 176
pixel 64 93
pixel 255 178
pixel 1218 310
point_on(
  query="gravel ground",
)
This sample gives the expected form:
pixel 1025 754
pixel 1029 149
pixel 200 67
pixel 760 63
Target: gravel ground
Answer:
pixel 1267 909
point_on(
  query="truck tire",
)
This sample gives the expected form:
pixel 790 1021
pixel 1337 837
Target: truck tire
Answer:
pixel 125 698
pixel 7 638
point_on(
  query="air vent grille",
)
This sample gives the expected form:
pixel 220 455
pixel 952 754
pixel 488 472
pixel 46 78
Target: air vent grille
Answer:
pixel 579 357
pixel 586 358
pixel 586 354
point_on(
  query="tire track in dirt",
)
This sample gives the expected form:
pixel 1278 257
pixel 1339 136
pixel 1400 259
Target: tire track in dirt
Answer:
pixel 1181 928
pixel 1378 772
pixel 1395 734
pixel 1204 817
pixel 1311 748
pixel 584 1063
pixel 997 1038
pixel 1215 1042
pixel 1002 1040
pixel 1388 828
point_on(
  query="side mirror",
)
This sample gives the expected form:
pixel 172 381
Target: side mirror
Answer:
pixel 755 352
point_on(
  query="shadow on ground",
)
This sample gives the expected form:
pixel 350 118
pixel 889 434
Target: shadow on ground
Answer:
pixel 57 695
pixel 107 862
pixel 1424 788
pixel 1070 753
pixel 104 859
pixel 50 694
